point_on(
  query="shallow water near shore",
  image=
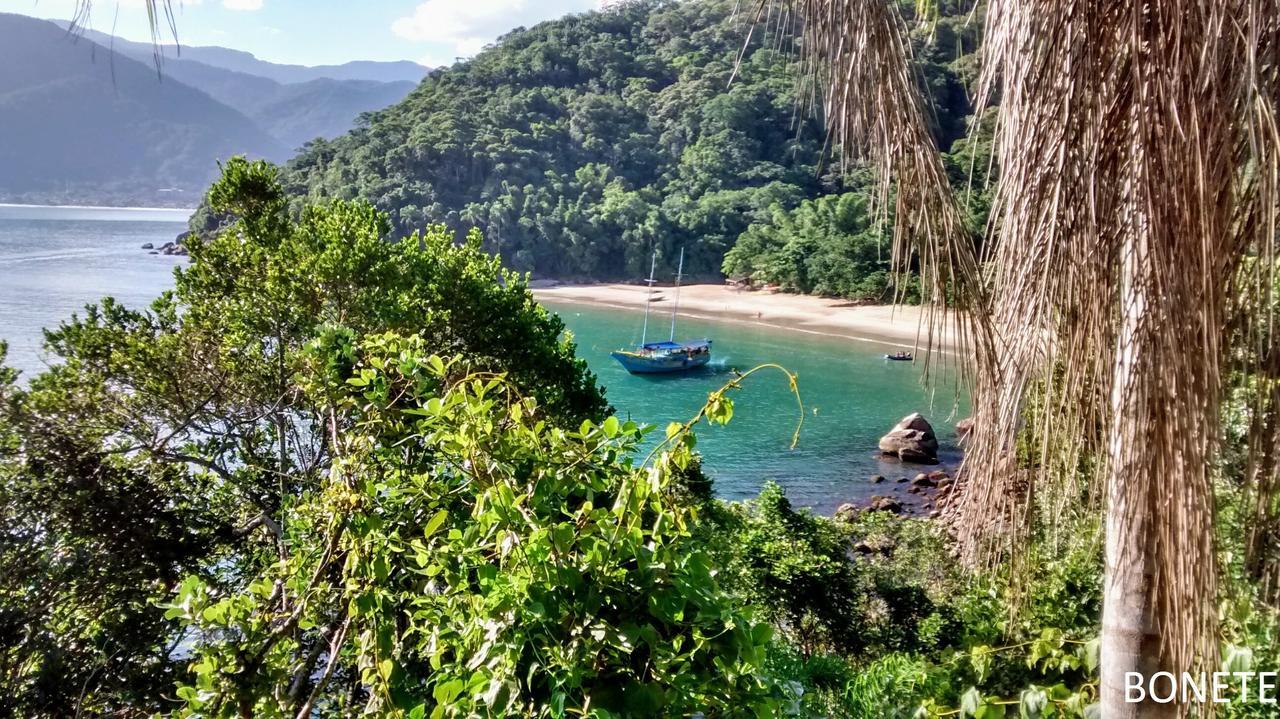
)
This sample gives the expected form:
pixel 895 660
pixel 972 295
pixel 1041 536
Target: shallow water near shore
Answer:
pixel 851 397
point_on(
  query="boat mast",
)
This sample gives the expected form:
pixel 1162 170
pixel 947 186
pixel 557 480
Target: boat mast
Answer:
pixel 653 264
pixel 676 307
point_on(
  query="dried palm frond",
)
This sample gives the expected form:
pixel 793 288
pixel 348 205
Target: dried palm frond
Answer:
pixel 161 21
pixel 1138 155
pixel 160 16
pixel 1136 204
pixel 857 70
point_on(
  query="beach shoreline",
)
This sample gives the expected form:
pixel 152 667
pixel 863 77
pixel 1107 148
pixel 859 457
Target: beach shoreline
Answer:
pixel 896 326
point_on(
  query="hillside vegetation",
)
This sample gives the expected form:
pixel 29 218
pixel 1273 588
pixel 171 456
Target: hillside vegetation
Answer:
pixel 579 145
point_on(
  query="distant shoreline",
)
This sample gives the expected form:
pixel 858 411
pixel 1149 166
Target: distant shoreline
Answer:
pixel 96 207
pixel 895 326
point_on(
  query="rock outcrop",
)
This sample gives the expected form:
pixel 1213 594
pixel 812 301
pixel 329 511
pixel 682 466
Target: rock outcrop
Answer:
pixel 885 504
pixel 171 248
pixel 911 440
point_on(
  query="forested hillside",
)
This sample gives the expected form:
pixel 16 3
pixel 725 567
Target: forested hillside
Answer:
pixel 580 144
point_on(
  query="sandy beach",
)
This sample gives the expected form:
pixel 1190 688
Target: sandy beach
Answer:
pixel 897 326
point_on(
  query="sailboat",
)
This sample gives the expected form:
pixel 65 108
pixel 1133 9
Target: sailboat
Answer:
pixel 669 356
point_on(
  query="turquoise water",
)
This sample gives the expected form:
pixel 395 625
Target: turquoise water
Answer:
pixel 851 397
pixel 55 260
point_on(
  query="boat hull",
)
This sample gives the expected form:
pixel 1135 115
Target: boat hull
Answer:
pixel 639 364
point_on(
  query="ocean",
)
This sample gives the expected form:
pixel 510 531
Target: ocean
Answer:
pixel 53 261
pixel 851 396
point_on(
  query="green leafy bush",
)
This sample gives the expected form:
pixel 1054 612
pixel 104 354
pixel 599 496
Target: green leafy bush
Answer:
pixel 170 441
pixel 827 246
pixel 465 557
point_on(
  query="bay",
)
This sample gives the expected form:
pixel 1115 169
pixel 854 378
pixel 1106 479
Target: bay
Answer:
pixel 851 397
pixel 54 260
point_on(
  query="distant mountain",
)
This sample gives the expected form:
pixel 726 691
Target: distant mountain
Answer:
pixel 324 108
pixel 309 102
pixel 85 117
pixel 78 123
pixel 240 61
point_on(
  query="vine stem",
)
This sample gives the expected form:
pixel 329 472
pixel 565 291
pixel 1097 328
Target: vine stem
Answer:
pixel 716 396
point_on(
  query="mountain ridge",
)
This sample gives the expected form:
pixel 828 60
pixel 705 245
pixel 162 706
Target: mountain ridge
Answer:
pixel 246 62
pixel 79 127
pixel 293 111
pixel 57 83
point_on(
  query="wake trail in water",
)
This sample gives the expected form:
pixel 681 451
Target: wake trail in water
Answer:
pixel 47 256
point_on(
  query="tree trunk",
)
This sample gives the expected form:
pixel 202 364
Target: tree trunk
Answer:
pixel 1129 641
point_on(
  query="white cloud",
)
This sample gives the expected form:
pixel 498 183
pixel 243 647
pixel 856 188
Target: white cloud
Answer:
pixel 247 5
pixel 466 26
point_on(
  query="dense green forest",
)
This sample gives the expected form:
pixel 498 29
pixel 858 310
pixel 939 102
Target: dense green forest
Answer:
pixel 332 475
pixel 348 466
pixel 580 145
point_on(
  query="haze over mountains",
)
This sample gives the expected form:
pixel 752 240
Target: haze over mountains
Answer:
pixel 88 119
pixel 244 62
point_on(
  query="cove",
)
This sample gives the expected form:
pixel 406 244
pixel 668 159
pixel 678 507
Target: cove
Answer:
pixel 851 397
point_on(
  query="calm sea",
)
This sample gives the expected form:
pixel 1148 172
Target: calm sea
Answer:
pixel 55 260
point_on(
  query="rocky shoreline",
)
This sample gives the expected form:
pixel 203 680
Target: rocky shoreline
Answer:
pixel 175 248
pixel 911 441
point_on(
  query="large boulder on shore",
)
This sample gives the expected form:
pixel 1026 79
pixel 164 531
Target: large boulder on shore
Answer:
pixel 911 440
pixel 885 504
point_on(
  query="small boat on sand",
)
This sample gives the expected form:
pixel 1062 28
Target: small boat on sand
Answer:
pixel 900 357
pixel 669 356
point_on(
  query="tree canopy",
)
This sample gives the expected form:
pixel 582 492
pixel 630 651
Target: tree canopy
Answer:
pixel 171 441
pixel 582 144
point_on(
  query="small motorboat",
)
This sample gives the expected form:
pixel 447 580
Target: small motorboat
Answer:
pixel 900 357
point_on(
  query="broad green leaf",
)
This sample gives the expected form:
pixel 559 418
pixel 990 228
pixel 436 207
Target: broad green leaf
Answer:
pixel 435 522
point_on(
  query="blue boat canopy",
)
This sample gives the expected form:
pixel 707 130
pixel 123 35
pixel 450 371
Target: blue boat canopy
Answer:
pixel 668 356
pixel 673 346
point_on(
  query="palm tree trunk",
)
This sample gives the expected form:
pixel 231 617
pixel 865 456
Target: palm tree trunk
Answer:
pixel 1130 640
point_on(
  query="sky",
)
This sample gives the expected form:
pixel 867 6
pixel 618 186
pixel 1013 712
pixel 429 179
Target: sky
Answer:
pixel 322 32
